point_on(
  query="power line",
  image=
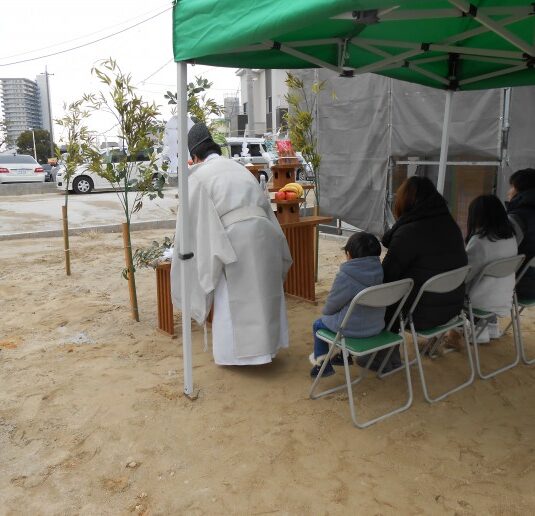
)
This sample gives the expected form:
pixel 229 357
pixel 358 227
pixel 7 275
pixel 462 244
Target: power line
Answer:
pixel 87 44
pixel 155 72
pixel 82 37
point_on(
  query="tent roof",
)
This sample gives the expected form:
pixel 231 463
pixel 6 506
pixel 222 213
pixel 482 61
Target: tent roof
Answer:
pixel 448 44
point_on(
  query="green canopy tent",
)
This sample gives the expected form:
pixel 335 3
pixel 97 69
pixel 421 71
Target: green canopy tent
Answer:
pixel 447 44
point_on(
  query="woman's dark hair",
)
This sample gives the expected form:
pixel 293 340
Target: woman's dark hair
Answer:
pixel 412 191
pixel 360 245
pixel 487 218
pixel 204 149
pixel 523 179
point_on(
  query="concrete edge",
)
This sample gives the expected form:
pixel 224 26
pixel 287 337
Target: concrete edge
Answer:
pixel 109 228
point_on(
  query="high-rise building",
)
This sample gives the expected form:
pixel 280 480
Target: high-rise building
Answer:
pixel 44 97
pixel 25 105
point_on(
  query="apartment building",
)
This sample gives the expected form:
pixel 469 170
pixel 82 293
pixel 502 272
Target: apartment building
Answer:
pixel 25 104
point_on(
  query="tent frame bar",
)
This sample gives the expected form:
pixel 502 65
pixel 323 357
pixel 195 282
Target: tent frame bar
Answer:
pixel 493 26
pixel 441 181
pixel 450 163
pixel 485 76
pixel 454 12
pixel 184 231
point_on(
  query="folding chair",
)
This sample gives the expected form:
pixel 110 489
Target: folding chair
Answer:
pixel 380 296
pixel 523 303
pixel 441 284
pixel 495 269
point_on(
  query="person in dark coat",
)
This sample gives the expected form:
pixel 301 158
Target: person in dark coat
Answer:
pixel 521 211
pixel 424 241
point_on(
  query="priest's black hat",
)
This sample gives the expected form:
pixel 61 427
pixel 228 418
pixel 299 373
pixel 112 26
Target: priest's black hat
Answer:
pixel 198 134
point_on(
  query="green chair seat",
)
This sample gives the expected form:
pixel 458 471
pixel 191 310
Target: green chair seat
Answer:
pixel 527 302
pixel 482 314
pixel 364 345
pixel 438 330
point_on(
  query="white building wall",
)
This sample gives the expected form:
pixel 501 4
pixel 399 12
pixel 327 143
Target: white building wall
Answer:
pixel 259 101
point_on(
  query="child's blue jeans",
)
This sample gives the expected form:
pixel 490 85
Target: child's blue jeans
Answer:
pixel 320 346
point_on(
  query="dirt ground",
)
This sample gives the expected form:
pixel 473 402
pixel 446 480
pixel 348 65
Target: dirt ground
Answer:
pixel 93 420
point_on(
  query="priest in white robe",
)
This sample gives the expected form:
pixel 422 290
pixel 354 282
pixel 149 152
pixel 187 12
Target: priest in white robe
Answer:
pixel 241 257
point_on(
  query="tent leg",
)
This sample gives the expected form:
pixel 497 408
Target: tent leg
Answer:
pixel 183 211
pixel 444 143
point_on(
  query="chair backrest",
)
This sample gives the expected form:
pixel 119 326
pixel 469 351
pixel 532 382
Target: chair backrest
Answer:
pixel 500 268
pixel 530 263
pixel 381 296
pixel 441 284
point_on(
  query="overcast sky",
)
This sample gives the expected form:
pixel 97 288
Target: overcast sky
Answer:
pixel 33 28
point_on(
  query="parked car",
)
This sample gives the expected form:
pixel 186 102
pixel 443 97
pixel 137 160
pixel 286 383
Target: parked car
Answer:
pixel 48 172
pixel 85 181
pixel 20 168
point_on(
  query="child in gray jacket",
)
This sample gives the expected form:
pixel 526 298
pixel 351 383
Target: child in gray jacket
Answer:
pixel 361 270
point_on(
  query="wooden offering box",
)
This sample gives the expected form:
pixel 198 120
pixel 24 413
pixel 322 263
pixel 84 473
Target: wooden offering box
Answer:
pixel 284 174
pixel 300 236
pixel 166 323
pixel 287 211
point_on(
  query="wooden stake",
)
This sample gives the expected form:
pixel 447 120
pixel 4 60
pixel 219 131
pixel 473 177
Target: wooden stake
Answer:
pixel 66 240
pixel 316 244
pixel 130 266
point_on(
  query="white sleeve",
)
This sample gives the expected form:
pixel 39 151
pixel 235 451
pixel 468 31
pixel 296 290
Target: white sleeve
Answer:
pixel 212 250
pixel 476 258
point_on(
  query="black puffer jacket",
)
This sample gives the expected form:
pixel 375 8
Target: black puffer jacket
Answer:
pixel 522 208
pixel 422 243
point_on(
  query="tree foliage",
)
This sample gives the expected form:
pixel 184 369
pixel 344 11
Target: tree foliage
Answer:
pixel 4 140
pixel 202 108
pixel 78 140
pixel 42 144
pixel 300 118
pixel 139 131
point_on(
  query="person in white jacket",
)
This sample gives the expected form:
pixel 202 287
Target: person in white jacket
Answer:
pixel 240 260
pixel 490 237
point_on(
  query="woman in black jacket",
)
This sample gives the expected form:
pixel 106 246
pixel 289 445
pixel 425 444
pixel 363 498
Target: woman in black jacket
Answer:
pixel 424 241
pixel 521 211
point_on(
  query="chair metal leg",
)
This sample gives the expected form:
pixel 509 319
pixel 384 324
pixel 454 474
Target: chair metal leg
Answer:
pixel 423 381
pixel 520 310
pixel 316 381
pixel 486 376
pixel 519 336
pixel 405 406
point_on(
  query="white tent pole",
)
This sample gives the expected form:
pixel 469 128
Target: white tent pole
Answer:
pixel 445 142
pixel 183 212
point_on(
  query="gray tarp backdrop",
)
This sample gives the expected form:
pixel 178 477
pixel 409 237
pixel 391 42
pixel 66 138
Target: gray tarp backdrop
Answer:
pixel 365 120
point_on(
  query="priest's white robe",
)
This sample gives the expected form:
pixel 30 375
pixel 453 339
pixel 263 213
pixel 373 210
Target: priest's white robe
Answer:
pixel 241 255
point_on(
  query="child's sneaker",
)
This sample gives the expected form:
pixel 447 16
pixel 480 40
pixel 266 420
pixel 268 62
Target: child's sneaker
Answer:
pixel 494 330
pixel 317 362
pixel 338 360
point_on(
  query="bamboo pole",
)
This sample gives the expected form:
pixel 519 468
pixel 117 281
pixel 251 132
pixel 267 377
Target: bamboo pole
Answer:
pixel 130 267
pixel 66 240
pixel 316 244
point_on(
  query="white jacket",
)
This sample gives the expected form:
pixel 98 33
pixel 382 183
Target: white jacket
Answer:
pixel 492 294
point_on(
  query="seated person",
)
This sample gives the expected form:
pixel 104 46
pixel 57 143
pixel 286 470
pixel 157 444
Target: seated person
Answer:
pixel 424 241
pixel 521 211
pixel 361 270
pixel 490 237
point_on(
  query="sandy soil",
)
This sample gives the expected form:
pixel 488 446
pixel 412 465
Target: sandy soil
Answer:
pixel 92 419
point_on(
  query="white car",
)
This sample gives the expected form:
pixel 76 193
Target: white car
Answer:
pixel 20 168
pixel 85 181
